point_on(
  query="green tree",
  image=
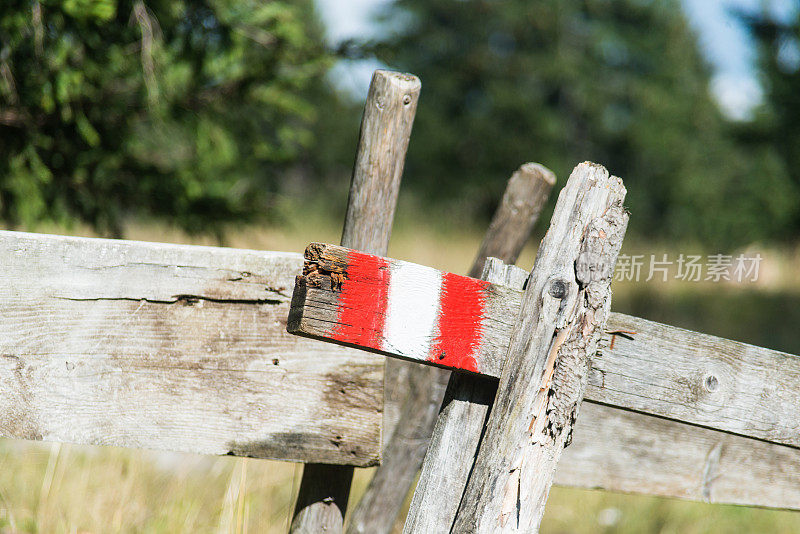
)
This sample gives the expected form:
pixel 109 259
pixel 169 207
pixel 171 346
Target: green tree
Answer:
pixel 180 109
pixel 775 129
pixel 615 81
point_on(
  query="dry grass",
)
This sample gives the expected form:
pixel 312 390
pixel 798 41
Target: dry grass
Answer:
pixel 55 488
pixel 66 488
pixel 48 488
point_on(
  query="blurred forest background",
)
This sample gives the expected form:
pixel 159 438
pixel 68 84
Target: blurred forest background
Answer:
pixel 210 113
pixel 220 120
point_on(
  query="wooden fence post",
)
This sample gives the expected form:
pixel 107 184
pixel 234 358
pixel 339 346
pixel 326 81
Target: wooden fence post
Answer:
pixel 385 131
pixel 378 510
pixel 563 314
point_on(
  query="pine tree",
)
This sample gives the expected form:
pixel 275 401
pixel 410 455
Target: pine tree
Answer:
pixel 619 82
pixel 775 129
pixel 180 109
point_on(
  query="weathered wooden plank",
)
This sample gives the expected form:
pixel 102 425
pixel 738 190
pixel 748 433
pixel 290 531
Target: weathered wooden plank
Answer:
pixel 173 347
pixel 402 309
pixel 378 510
pixel 659 369
pixel 616 450
pixel 198 375
pixel 566 303
pixel 457 433
pixel 625 451
pixel 385 130
pixel 700 379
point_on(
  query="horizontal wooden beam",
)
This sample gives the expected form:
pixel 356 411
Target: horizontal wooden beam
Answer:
pixel 700 379
pixel 174 347
pixel 635 453
pixel 409 311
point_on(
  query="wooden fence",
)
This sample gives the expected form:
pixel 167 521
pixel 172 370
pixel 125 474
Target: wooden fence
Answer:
pixel 186 348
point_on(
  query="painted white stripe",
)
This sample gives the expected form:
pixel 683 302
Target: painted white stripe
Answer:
pixel 412 309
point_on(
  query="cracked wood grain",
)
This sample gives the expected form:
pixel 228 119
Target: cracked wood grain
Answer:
pixel 173 347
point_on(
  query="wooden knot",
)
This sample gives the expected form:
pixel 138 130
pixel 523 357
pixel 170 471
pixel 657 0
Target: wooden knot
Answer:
pixel 558 289
pixel 711 383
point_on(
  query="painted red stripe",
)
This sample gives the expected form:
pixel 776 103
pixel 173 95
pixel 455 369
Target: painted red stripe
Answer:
pixel 462 306
pixel 362 302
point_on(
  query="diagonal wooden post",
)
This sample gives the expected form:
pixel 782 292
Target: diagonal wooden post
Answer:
pixel 525 195
pixel 564 310
pixel 385 131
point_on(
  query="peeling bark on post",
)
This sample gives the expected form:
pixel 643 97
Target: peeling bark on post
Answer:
pixel 563 315
pixel 385 131
pixel 378 510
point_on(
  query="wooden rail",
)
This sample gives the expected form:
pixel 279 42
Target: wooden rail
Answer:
pixel 626 451
pixel 173 347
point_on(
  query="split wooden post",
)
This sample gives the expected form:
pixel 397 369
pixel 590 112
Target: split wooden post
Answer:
pixel 376 513
pixel 563 315
pixel 381 503
pixel 383 141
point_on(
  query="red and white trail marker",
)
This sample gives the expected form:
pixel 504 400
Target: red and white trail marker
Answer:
pixel 403 309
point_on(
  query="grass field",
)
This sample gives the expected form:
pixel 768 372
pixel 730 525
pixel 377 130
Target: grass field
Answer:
pixel 50 488
pixel 56 488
